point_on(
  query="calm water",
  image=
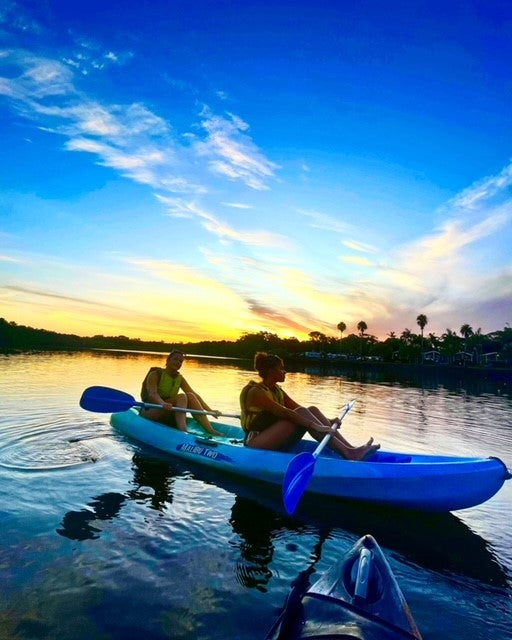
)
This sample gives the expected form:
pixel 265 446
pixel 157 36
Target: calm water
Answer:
pixel 103 539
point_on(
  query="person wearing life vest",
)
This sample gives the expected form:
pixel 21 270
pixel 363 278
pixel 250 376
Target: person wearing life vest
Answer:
pixel 273 420
pixel 167 386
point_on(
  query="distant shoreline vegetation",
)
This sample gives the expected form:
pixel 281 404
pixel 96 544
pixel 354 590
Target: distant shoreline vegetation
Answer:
pixel 472 349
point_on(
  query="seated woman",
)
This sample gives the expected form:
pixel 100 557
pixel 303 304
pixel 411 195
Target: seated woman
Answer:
pixel 163 385
pixel 272 420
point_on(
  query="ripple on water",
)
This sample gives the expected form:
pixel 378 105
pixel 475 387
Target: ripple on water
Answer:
pixel 45 446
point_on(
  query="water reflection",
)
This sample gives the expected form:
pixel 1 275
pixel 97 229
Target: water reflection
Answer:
pixel 436 541
pixel 148 473
pixel 80 525
pixel 475 382
pixel 158 475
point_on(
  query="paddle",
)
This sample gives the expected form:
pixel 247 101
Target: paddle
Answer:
pixel 301 468
pixel 107 400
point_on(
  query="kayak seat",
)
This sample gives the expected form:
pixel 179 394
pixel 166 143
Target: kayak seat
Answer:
pixel 375 587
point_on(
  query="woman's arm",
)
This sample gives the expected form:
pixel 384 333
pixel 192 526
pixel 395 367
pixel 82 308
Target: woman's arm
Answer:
pixel 258 398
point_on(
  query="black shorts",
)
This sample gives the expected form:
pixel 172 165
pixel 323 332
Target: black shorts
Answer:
pixel 263 421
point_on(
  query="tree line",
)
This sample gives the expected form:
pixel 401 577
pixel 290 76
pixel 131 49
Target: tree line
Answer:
pixel 468 346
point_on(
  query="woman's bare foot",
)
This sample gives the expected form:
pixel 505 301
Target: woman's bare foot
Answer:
pixel 360 453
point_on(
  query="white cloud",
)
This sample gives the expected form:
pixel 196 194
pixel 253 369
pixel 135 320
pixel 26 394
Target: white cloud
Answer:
pixel 237 205
pixel 180 208
pixel 358 260
pixel 359 246
pixel 131 138
pixel 327 222
pixel 482 190
pixel 232 153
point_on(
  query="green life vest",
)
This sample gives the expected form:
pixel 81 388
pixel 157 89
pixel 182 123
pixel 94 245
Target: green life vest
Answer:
pixel 249 413
pixel 168 387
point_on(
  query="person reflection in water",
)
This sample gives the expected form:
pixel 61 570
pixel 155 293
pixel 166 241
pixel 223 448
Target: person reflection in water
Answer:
pixel 152 479
pixel 273 420
pixel 256 525
pixel 79 525
pixel 168 387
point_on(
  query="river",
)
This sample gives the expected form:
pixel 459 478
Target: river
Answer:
pixel 103 539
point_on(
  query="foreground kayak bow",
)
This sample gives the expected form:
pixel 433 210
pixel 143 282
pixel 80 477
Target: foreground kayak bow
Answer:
pixel 358 597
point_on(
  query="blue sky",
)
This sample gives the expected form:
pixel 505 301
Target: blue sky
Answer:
pixel 195 170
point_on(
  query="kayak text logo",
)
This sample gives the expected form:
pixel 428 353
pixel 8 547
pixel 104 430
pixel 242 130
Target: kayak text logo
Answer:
pixel 204 452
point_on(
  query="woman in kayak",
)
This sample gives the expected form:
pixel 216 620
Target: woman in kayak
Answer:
pixel 273 420
pixel 163 386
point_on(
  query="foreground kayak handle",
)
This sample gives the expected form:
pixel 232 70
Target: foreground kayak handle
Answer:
pixel 363 574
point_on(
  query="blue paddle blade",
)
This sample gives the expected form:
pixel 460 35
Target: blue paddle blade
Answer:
pixel 106 400
pixel 297 477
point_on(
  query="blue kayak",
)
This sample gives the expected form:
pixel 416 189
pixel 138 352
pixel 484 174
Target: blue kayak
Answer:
pixel 357 598
pixel 409 480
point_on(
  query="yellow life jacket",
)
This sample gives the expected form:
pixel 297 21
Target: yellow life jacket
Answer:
pixel 249 413
pixel 168 386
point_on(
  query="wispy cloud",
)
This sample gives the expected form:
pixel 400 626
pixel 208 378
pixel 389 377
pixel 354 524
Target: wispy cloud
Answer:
pixel 327 222
pixel 131 138
pixel 17 19
pixel 358 260
pixel 231 151
pixel 277 317
pixel 181 208
pixel 57 296
pixel 90 56
pixel 4 258
pixel 483 190
pixel 359 246
pixel 237 205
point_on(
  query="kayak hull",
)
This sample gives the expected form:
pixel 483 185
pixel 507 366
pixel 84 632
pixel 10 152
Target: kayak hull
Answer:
pixel 413 481
pixel 358 597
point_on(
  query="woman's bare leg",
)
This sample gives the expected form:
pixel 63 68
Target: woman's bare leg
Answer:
pixel 194 403
pixel 337 434
pixel 337 442
pixel 175 419
pixel 181 417
pixel 279 435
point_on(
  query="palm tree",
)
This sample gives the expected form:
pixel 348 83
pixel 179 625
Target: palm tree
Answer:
pixel 406 336
pixel 361 327
pixel 450 342
pixel 466 331
pixel 422 323
pixel 341 326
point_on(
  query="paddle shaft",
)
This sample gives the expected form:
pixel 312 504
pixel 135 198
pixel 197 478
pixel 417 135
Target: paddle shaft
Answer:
pixel 334 428
pixel 107 400
pixel 150 405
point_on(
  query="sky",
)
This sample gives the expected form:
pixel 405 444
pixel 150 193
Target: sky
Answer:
pixel 194 170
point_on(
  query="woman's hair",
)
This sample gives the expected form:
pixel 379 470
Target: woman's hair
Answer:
pixel 263 362
pixel 175 352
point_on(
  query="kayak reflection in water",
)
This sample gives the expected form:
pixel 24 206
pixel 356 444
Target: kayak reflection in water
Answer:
pixel 272 420
pixel 163 386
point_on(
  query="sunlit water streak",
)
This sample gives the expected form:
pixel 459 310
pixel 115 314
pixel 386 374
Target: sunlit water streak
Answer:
pixel 103 538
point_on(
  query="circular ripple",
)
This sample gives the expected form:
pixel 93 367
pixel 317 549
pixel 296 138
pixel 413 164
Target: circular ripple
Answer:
pixel 49 447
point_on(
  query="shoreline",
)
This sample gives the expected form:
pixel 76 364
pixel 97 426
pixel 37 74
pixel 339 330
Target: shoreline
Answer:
pixel 301 363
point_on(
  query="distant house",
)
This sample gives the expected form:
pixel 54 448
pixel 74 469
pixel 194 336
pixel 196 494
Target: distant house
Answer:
pixel 314 355
pixel 431 356
pixel 487 358
pixel 462 357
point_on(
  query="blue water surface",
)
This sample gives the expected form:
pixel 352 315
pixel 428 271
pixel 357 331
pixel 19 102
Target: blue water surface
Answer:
pixel 104 539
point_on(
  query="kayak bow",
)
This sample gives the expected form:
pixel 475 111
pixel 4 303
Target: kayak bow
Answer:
pixel 358 597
